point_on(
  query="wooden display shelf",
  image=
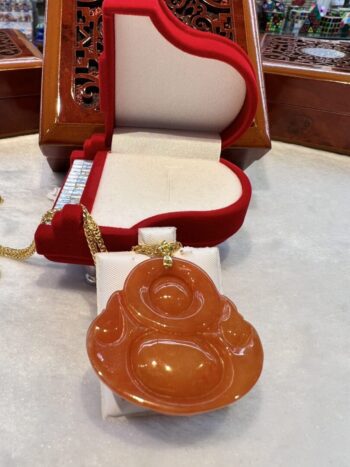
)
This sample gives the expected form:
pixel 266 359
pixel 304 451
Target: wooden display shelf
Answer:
pixel 74 40
pixel 20 83
pixel 308 91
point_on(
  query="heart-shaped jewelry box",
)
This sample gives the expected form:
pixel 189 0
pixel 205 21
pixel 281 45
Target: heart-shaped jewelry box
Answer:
pixel 173 98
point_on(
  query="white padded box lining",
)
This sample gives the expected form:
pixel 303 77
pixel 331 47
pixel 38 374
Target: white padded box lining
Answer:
pixel 177 144
pixel 161 86
pixel 131 191
pixel 136 186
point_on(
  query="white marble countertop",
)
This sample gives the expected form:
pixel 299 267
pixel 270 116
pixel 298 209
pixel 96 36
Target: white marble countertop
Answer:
pixel 288 272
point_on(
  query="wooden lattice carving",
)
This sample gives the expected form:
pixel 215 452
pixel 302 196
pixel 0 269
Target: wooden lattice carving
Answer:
pixel 88 47
pixel 205 15
pixel 291 50
pixel 8 48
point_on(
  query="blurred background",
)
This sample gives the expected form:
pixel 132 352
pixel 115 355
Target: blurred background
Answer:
pixel 27 16
pixel 328 19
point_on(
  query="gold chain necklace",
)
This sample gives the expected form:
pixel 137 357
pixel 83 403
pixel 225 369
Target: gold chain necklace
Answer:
pixel 21 254
pixel 91 230
pixel 95 242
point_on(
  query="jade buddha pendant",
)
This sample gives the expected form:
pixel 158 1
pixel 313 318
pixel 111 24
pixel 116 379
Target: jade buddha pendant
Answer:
pixel 171 343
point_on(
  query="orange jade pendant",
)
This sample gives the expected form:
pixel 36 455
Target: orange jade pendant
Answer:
pixel 171 343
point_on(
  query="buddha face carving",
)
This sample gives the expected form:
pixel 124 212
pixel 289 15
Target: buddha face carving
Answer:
pixel 170 342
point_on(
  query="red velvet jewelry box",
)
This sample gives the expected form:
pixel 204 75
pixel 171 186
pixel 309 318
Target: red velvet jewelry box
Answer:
pixel 158 163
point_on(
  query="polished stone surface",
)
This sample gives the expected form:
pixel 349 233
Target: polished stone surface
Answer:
pixel 288 272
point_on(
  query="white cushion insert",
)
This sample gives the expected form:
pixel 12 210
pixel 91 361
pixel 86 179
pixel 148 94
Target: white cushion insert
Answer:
pixel 135 187
pixel 161 86
pixel 166 143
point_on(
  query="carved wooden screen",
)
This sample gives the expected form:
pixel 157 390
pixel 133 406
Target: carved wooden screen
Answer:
pixel 87 48
pixel 214 16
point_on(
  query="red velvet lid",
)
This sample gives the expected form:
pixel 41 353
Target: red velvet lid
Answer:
pixel 190 41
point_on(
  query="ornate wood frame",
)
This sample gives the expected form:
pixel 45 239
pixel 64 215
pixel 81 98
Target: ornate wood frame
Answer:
pixel 70 102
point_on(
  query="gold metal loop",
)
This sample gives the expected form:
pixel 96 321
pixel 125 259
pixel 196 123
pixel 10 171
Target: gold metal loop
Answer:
pixel 164 250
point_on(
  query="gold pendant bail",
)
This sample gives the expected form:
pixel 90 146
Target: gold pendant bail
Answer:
pixel 165 250
pixel 167 261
